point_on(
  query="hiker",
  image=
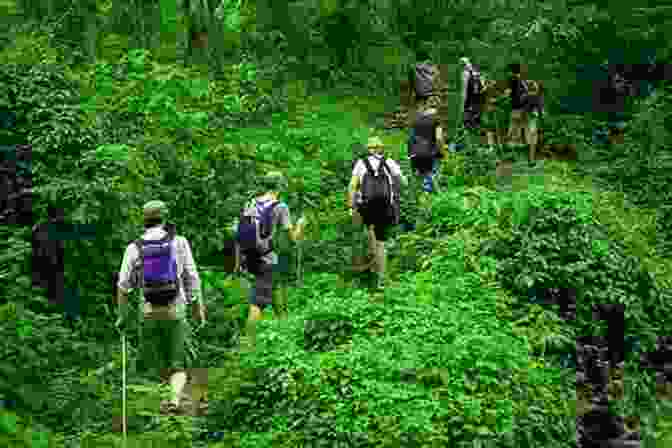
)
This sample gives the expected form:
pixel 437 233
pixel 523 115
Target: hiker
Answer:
pixel 613 96
pixel 161 264
pixel 373 199
pixel 48 257
pixel 426 82
pixel 519 91
pixel 534 107
pixel 472 97
pixel 264 227
pixel 426 146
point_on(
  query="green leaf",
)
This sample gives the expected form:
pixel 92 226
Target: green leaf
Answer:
pixel 8 422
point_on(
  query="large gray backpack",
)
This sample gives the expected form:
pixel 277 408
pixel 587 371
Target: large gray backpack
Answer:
pixel 425 79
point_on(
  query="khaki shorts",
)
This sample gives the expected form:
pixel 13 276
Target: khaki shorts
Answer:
pixel 433 101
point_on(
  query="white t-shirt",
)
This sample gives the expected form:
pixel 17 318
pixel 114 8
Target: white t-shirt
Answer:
pixel 360 168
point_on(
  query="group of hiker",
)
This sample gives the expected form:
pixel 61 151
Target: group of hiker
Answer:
pixel 480 99
pixel 161 265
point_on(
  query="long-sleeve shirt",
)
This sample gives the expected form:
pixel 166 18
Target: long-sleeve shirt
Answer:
pixel 130 274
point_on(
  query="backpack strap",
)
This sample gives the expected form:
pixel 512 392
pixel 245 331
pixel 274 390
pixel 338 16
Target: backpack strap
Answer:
pixel 271 208
pixel 369 168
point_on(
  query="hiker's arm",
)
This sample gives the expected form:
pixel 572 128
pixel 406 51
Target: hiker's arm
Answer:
pixel 352 189
pixel 465 80
pixel 440 140
pixel 127 277
pixel 191 280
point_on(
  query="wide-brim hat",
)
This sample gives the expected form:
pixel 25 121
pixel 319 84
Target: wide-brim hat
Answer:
pixel 375 143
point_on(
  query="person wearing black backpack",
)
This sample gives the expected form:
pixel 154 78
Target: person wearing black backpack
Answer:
pixel 472 94
pixel 426 147
pixel 161 265
pixel 425 79
pixel 373 199
pixel 263 245
pixel 519 89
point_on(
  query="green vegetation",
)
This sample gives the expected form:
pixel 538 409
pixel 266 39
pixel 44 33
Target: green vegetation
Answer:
pixel 452 353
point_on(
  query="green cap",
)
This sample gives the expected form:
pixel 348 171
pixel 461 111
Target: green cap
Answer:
pixel 274 181
pixel 155 210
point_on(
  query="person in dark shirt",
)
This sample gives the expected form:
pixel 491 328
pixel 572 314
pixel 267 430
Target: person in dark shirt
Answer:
pixel 48 257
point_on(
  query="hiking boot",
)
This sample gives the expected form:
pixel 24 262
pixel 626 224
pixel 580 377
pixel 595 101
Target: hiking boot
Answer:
pixel 380 283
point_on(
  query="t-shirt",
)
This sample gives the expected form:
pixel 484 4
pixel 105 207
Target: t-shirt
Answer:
pixel 395 170
pixel 130 274
pixel 360 168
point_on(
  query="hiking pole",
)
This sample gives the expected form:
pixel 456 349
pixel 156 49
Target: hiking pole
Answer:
pixel 123 386
pixel 299 253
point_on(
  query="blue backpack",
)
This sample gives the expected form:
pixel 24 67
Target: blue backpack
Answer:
pixel 254 233
pixel 159 267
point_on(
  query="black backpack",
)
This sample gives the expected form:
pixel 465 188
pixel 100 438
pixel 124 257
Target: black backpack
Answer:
pixel 419 147
pixel 474 87
pixel 523 93
pixel 377 192
pixel 425 78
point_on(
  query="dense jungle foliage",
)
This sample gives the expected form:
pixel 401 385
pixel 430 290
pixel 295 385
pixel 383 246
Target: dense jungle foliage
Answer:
pixel 188 102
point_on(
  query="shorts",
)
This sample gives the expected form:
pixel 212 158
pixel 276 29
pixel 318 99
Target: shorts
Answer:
pixel 423 103
pixel 261 294
pixel 422 167
pixel 162 345
pixel 382 222
pixel 472 118
pixel 519 118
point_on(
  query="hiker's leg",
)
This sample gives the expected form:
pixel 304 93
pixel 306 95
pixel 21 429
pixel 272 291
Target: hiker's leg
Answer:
pixel 381 237
pixel 380 260
pixel 177 382
pixel 372 241
pixel 199 384
pixel 514 134
pixel 176 357
pixel 260 297
pixel 533 138
pixel 150 350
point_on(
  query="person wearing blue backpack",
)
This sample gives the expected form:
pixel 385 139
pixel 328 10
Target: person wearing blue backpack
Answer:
pixel 161 264
pixel 265 227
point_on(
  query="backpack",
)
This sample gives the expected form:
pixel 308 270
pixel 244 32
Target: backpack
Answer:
pixel 523 93
pixel 159 267
pixel 419 147
pixel 254 233
pixel 474 87
pixel 425 78
pixel 377 191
